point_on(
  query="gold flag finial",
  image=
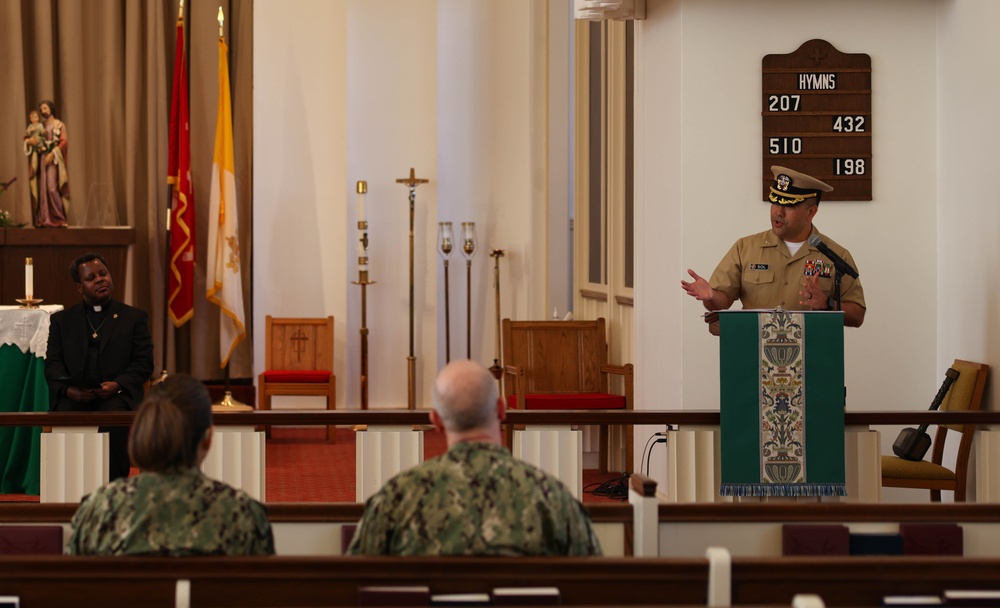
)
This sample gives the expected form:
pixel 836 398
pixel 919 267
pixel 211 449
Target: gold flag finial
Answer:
pixel 180 11
pixel 222 20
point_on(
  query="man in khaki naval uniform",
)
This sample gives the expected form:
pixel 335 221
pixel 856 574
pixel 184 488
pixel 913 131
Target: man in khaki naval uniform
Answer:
pixel 780 267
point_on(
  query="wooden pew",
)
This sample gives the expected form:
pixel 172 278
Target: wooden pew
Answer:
pixel 857 581
pixel 334 581
pixel 682 531
pixel 755 529
pixel 316 529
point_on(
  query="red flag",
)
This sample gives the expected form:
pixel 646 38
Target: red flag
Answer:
pixel 180 299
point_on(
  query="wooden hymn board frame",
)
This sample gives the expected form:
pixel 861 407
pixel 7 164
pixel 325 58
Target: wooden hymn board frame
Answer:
pixel 817 118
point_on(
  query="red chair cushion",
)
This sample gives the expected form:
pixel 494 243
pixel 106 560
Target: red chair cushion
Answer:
pixel 297 376
pixel 570 401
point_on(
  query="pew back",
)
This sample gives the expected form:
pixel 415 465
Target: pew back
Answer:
pixel 334 581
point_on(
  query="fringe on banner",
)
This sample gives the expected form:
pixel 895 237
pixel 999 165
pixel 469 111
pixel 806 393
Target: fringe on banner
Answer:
pixel 783 489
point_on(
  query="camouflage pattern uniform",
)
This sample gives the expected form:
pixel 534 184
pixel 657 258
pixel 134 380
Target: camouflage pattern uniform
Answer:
pixel 476 499
pixel 176 514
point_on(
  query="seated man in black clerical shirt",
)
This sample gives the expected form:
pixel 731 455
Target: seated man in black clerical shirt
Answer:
pixel 100 353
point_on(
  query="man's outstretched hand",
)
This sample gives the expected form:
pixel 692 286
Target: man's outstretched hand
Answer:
pixel 699 288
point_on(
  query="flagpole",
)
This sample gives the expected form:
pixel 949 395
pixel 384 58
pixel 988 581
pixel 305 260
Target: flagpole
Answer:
pixel 166 289
pixel 223 183
pixel 168 245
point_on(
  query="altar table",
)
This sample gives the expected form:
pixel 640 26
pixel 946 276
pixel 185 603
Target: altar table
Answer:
pixel 23 341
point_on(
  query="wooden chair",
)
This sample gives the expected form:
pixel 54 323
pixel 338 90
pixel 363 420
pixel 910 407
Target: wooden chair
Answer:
pixel 563 365
pixel 298 360
pixel 965 394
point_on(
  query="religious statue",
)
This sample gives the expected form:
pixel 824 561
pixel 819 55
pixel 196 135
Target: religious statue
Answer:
pixel 45 146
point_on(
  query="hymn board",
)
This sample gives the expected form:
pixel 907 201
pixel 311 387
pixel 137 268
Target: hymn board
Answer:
pixel 817 118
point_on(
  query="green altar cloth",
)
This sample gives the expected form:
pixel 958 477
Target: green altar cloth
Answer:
pixel 22 389
pixel 23 339
pixel 782 409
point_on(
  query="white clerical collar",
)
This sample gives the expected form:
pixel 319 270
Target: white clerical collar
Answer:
pixel 97 308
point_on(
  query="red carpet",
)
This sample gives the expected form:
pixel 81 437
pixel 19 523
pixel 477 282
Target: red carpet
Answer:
pixel 303 467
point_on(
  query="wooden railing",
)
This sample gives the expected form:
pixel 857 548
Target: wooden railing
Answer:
pixel 540 417
pixel 290 512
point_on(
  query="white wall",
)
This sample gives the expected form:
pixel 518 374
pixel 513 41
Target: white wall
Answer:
pixel 392 126
pixel 698 173
pixel 492 166
pixel 366 89
pixel 968 211
pixel 300 162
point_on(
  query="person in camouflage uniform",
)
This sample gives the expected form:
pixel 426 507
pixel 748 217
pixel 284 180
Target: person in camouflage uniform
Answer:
pixel 171 508
pixel 475 499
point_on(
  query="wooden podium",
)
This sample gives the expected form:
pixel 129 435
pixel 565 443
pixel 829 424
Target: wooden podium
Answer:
pixel 52 250
pixel 782 403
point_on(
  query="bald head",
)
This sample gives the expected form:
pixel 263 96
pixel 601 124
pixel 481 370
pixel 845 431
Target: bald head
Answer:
pixel 466 398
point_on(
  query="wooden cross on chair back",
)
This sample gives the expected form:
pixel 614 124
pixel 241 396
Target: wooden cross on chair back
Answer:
pixel 298 360
pixel 564 365
pixel 299 344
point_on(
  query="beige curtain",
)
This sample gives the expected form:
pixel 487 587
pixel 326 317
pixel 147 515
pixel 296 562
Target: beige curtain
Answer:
pixel 108 65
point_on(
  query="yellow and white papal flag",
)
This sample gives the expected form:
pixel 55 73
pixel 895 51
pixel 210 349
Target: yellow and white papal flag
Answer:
pixel 225 286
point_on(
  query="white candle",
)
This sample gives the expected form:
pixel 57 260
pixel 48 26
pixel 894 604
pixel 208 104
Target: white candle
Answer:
pixel 362 226
pixel 362 253
pixel 362 191
pixel 29 279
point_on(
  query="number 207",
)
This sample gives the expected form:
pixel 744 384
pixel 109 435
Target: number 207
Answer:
pixel 783 103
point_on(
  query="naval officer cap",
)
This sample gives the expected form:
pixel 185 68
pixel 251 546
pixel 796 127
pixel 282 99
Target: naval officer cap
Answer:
pixel 791 187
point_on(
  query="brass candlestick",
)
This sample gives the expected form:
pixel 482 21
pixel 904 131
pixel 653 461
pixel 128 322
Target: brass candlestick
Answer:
pixel 496 254
pixel 411 182
pixel 469 251
pixel 446 241
pixel 364 282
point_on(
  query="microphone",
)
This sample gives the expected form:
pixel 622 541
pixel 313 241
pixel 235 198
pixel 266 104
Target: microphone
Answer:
pixel 838 261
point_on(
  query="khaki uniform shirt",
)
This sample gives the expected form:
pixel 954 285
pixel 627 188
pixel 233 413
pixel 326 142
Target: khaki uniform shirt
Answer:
pixel 170 514
pixel 759 271
pixel 475 499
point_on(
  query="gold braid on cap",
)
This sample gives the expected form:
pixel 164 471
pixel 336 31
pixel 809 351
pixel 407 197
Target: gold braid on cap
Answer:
pixel 787 198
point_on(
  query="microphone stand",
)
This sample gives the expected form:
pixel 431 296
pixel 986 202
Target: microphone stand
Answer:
pixel 837 277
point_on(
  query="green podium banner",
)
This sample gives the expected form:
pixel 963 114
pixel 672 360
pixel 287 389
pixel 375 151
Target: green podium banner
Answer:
pixel 782 403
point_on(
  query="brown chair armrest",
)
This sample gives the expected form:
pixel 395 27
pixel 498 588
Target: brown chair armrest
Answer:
pixel 627 371
pixel 517 373
pixel 620 370
pixel 513 370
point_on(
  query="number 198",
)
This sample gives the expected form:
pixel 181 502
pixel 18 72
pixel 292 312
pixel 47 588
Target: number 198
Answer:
pixel 848 166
